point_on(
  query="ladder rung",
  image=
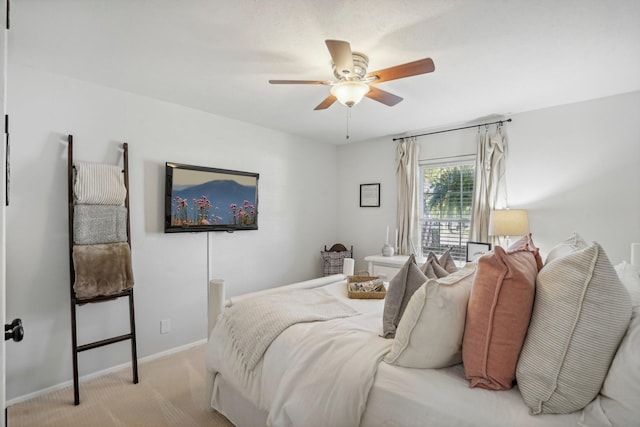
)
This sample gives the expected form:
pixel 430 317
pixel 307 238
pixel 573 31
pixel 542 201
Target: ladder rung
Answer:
pixel 104 342
pixel 102 298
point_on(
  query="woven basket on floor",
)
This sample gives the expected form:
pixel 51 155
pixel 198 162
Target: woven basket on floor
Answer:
pixel 364 295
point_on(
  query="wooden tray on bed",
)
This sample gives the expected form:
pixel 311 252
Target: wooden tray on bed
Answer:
pixel 364 295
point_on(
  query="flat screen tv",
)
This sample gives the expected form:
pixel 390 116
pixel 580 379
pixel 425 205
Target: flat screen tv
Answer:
pixel 200 198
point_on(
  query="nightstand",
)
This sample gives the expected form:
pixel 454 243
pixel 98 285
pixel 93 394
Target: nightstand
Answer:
pixel 385 266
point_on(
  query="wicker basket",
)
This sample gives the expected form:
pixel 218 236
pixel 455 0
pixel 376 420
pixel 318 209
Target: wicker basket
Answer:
pixel 364 295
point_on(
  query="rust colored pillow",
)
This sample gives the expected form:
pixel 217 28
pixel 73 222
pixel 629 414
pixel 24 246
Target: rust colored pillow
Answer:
pixel 498 316
pixel 526 244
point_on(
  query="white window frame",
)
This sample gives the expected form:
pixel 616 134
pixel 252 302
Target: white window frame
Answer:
pixel 462 160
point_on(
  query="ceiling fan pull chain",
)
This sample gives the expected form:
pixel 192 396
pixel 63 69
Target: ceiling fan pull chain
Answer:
pixel 348 117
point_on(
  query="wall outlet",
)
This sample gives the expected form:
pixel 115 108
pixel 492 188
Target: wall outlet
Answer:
pixel 165 326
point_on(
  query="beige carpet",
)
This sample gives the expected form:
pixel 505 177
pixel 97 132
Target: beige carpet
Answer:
pixel 170 393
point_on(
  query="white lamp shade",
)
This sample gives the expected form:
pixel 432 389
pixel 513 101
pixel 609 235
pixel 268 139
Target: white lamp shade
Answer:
pixel 349 93
pixel 508 222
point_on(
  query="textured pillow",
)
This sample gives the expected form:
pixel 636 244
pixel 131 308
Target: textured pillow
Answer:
pixel 401 288
pixel 630 278
pixel 333 261
pixel 427 270
pixel 617 404
pixel 429 334
pixel 497 317
pixel 571 245
pixel 526 244
pixel 580 314
pixel 432 268
pixel 446 261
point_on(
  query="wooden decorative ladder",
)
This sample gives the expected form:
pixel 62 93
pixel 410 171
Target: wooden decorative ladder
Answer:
pixel 97 299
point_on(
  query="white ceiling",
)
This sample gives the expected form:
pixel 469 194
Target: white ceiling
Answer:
pixel 492 57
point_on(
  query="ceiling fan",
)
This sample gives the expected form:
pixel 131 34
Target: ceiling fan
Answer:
pixel 350 68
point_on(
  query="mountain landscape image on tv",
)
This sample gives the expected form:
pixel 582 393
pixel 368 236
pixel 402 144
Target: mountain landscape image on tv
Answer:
pixel 209 199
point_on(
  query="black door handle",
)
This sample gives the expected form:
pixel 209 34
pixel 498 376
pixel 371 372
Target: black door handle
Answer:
pixel 14 330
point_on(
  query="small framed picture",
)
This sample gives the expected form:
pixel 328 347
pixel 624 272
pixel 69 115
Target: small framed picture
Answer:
pixel 476 249
pixel 370 195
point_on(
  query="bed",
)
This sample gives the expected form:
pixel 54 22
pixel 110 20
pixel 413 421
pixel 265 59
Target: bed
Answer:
pixel 331 371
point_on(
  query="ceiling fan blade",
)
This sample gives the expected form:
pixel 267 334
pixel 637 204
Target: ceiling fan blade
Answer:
pixel 385 97
pixel 299 82
pixel 326 103
pixel 342 57
pixel 421 66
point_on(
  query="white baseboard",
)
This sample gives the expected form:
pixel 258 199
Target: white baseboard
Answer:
pixel 103 372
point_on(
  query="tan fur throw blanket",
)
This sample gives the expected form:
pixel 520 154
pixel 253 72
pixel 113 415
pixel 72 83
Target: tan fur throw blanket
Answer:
pixel 102 269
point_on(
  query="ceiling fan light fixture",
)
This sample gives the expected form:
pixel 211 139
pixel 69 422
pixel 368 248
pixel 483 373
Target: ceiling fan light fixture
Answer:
pixel 349 92
pixel 352 81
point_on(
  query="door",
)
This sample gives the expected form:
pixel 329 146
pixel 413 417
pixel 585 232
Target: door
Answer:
pixel 4 13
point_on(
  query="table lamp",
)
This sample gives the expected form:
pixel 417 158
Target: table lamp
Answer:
pixel 508 222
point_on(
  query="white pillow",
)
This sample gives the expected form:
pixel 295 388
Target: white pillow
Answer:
pixel 618 401
pixel 430 332
pixel 630 278
pixel 572 244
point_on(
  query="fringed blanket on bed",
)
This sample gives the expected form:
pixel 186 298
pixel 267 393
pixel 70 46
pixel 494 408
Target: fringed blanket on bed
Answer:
pixel 305 378
pixel 254 323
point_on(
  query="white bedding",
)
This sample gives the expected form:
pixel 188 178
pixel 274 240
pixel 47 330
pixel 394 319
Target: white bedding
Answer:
pixel 442 397
pixel 306 380
pixel 254 323
pixel 295 381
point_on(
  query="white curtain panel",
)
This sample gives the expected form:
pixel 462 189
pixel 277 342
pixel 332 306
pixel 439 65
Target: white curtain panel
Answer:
pixel 490 185
pixel 408 209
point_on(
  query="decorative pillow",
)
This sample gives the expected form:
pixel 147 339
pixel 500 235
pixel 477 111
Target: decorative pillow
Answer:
pixel 526 244
pixel 446 261
pixel 401 288
pixel 427 270
pixel 429 334
pixel 497 317
pixel 617 404
pixel 581 312
pixel 333 261
pixel 571 245
pixel 432 268
pixel 630 278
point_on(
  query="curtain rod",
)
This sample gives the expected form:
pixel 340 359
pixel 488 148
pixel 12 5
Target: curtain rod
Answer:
pixel 451 130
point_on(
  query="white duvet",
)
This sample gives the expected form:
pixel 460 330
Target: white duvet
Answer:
pixel 314 373
pixel 329 374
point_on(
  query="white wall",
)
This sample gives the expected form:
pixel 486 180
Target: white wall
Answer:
pixel 574 167
pixel 297 217
pixel 365 163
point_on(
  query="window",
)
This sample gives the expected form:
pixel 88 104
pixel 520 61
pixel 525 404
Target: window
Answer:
pixel 447 194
